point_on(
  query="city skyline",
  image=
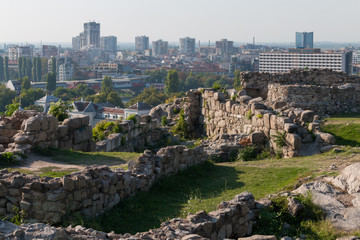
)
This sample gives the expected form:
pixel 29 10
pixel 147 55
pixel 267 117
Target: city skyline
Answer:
pixel 239 21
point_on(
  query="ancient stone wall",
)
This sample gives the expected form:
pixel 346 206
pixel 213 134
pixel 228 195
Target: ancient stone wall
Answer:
pixel 26 130
pixel 134 135
pixel 246 115
pixel 92 190
pixel 233 219
pixel 323 91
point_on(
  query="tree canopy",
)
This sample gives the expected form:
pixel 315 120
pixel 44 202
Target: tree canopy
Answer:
pixel 6 97
pixel 50 82
pixel 172 82
pixel 25 84
pixel 107 85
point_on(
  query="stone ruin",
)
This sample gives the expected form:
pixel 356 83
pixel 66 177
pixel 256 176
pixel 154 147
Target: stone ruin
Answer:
pixel 27 130
pixel 287 105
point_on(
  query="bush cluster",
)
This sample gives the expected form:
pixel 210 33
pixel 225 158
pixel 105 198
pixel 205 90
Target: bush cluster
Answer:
pixel 104 128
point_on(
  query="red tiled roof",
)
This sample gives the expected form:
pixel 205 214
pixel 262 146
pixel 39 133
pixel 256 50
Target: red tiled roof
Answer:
pixel 112 110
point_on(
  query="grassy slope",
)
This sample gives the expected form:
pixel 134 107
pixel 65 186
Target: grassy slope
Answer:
pixel 345 128
pixel 203 187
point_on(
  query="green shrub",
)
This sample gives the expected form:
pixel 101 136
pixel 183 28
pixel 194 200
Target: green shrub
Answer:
pixel 271 220
pixel 247 153
pixel 177 110
pixel 123 141
pixel 7 158
pixel 313 135
pixel 181 127
pixel 132 118
pixel 248 115
pixel 259 115
pixel 60 110
pixel 279 139
pixel 163 121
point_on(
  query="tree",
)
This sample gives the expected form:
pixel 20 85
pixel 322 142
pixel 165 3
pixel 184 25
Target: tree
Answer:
pixel 2 73
pixel 172 82
pixel 7 68
pixel 50 82
pixel 60 110
pixel 53 65
pixel 38 108
pixel 26 84
pixel 150 95
pixel 191 82
pixel 28 68
pixel 107 85
pixel 38 70
pixel 34 74
pixel 20 67
pixel 100 98
pixel 6 97
pixel 11 108
pixel 28 97
pixel 237 80
pixel 115 99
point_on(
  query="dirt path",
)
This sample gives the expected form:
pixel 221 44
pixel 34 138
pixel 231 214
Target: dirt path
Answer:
pixel 35 162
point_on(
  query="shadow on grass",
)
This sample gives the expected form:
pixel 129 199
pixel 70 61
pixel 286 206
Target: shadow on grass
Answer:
pixel 167 198
pixel 348 135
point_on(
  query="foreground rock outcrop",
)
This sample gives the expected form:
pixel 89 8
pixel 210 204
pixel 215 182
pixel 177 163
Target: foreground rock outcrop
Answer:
pixel 339 197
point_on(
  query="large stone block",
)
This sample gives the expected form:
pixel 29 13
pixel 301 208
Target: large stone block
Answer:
pixel 293 140
pixel 307 116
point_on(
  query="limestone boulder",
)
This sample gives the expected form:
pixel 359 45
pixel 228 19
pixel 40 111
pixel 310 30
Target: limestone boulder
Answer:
pixel 326 138
pixel 307 116
pixel 349 179
pixel 293 140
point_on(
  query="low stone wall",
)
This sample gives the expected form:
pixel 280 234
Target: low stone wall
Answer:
pixel 324 91
pixel 133 136
pixel 26 130
pixel 92 190
pixel 233 219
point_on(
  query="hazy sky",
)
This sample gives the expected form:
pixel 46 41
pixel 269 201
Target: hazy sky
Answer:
pixel 237 20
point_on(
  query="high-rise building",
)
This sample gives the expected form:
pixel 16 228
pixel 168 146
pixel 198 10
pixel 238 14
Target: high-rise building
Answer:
pixel 159 47
pixel 304 40
pixel 92 34
pixel 281 62
pixel 66 70
pixel 187 45
pixel 49 51
pixel 141 43
pixel 109 43
pixel 224 47
pixel 76 43
pixel 20 51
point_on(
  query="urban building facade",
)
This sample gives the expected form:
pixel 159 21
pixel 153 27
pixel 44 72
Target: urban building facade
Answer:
pixel 66 70
pixel 20 51
pixel 224 47
pixel 49 51
pixel 141 43
pixel 108 43
pixel 304 40
pixel 187 45
pixel 92 34
pixel 275 62
pixel 159 48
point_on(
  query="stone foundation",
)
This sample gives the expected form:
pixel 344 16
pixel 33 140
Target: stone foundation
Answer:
pixel 233 219
pixel 91 191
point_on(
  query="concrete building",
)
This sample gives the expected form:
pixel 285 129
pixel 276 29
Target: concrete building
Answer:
pixel 66 70
pixel 159 48
pixel 304 40
pixel 92 34
pixel 224 47
pixel 109 43
pixel 20 51
pixel 281 62
pixel 49 51
pixel 141 43
pixel 108 68
pixel 76 43
pixel 187 45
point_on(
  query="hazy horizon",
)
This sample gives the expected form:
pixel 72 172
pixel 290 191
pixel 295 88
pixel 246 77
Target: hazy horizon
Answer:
pixel 237 20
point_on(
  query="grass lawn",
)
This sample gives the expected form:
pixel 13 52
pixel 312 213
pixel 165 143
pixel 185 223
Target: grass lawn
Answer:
pixel 204 186
pixel 345 128
pixel 46 171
